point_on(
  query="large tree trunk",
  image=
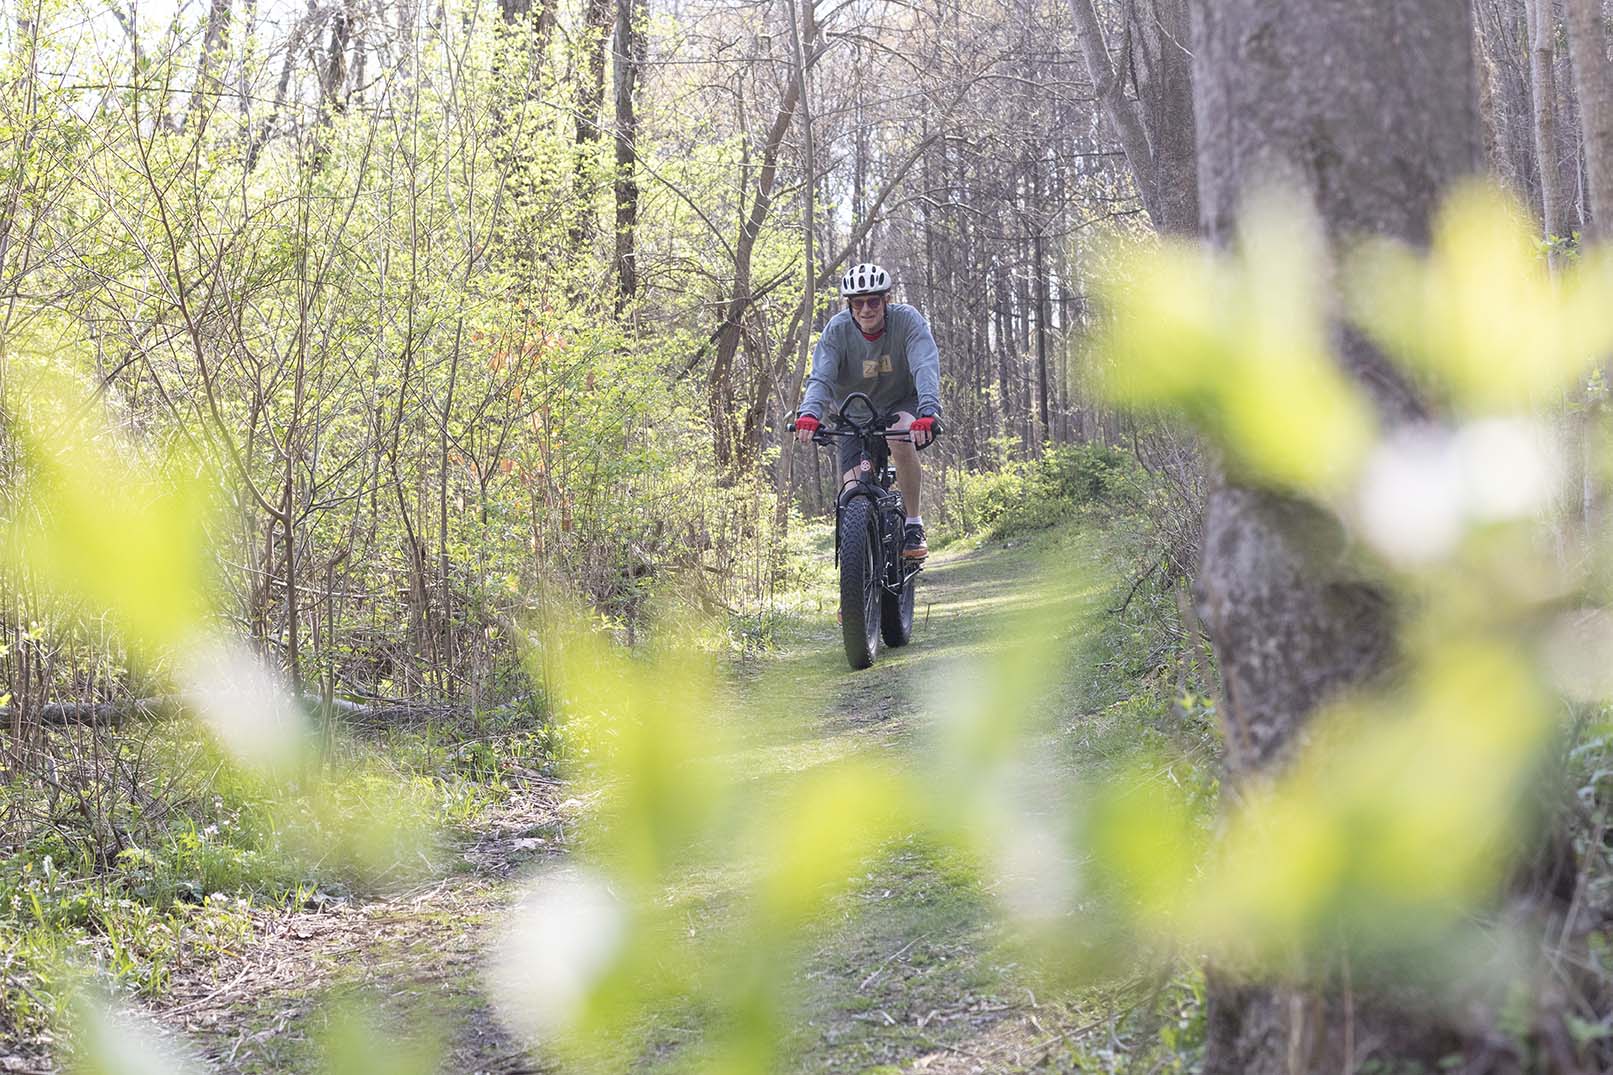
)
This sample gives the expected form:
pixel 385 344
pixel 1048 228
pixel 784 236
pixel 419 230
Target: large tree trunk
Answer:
pixel 1165 92
pixel 1368 107
pixel 1593 77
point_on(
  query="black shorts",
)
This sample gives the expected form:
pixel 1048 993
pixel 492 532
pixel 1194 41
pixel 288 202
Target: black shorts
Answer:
pixel 850 447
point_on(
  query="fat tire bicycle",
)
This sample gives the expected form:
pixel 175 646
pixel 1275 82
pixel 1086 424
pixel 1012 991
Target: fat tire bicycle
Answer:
pixel 876 580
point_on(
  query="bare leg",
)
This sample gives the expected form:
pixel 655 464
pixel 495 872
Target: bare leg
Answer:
pixel 905 457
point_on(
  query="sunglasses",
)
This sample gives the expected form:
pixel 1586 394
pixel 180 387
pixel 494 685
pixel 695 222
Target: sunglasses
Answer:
pixel 872 302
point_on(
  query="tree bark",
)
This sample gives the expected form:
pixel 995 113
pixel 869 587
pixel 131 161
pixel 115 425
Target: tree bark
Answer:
pixel 1593 77
pixel 1489 124
pixel 1156 130
pixel 333 77
pixel 719 385
pixel 628 58
pixel 590 98
pixel 1165 92
pixel 1121 113
pixel 801 35
pixel 1543 82
pixel 1367 107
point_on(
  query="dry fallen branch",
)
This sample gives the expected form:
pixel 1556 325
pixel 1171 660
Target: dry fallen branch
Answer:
pixel 113 714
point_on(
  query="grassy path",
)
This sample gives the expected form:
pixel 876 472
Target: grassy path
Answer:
pixel 913 973
pixel 909 973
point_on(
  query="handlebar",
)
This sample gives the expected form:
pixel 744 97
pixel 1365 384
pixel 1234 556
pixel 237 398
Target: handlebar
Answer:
pixel 822 433
pixel 825 431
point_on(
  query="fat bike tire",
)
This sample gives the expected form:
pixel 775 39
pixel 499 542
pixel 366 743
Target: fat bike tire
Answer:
pixel 896 613
pixel 859 583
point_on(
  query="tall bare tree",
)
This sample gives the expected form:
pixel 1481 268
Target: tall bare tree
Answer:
pixel 1593 78
pixel 1542 67
pixel 1155 128
pixel 627 59
pixel 593 36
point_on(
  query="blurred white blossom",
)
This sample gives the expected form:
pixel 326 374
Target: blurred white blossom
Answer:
pixel 1424 487
pixel 561 938
pixel 116 1041
pixel 244 704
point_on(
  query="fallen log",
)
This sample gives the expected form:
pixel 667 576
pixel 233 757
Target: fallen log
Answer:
pixel 115 714
pixel 109 713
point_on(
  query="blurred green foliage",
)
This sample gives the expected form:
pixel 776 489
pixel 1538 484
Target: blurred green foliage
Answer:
pixel 1391 827
pixel 1406 803
pixel 1480 319
pixel 1237 341
pixel 1378 835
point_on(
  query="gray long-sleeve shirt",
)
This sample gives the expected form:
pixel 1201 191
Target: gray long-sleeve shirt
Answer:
pixel 901 365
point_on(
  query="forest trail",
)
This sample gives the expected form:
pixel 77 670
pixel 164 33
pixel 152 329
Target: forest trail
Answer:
pixel 910 973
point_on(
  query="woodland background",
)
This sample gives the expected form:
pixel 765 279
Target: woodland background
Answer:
pixel 478 307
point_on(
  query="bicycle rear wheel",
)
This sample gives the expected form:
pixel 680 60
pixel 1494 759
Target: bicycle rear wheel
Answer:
pixel 859 582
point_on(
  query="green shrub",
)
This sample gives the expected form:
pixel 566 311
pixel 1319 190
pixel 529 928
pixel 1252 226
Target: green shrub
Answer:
pixel 1033 494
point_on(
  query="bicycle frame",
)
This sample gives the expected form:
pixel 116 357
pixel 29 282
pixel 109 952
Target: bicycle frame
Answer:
pixel 876 580
pixel 874 478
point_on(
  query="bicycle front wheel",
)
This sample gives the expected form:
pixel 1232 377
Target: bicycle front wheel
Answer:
pixel 859 582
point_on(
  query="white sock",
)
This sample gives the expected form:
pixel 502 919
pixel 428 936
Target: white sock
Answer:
pixel 919 519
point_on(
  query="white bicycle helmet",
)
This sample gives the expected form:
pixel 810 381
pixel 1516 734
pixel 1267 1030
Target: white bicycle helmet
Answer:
pixel 864 279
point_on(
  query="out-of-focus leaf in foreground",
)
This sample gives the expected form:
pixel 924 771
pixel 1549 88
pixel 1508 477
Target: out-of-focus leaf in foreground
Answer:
pixel 593 954
pixel 356 1040
pixel 1393 825
pixel 1480 317
pixel 99 529
pixel 806 847
pixel 597 953
pixel 1238 343
pixel 642 730
pixel 107 1040
pixel 99 525
pixel 1403 804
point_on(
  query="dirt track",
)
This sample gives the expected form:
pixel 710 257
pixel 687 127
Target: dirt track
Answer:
pixel 910 975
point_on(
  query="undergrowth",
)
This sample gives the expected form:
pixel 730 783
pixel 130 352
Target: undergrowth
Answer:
pixel 129 894
pixel 1024 495
pixel 141 850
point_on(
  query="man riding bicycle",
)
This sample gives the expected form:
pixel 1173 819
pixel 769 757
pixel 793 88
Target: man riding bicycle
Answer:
pixel 885 350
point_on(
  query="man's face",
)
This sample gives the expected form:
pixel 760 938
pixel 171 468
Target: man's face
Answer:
pixel 869 312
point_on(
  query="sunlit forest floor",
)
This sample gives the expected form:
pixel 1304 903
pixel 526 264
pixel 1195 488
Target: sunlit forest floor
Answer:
pixel 912 970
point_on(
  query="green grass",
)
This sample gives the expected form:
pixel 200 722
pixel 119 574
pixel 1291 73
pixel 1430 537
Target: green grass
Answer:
pixel 913 958
pixel 131 899
pixel 922 932
pixel 916 937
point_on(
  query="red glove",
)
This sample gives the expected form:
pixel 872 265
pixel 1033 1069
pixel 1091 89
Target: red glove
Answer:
pixel 806 423
pixel 924 425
